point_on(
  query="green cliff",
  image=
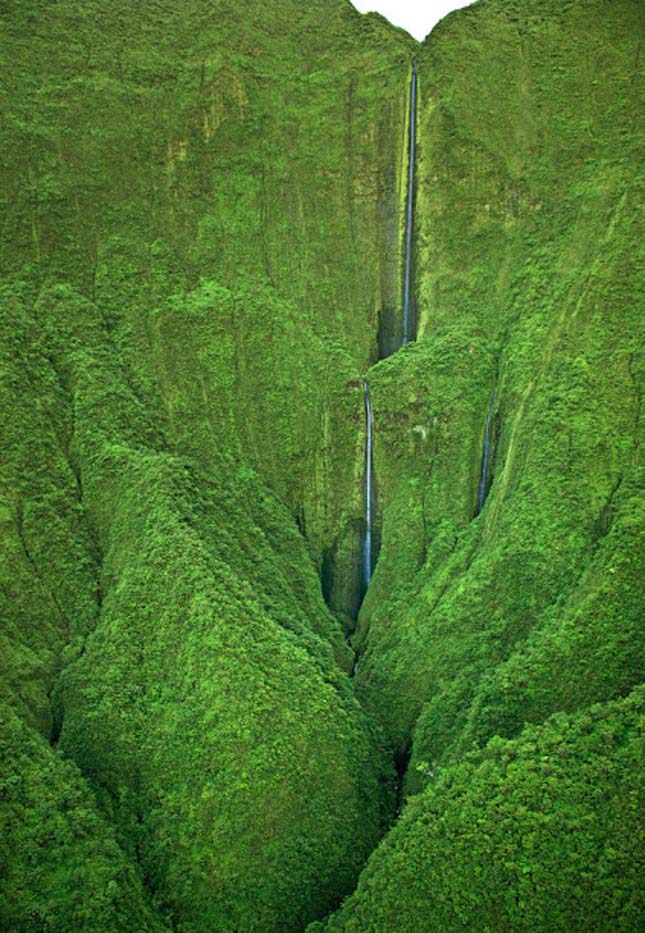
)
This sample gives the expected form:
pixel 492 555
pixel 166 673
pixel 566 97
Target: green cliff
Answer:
pixel 201 252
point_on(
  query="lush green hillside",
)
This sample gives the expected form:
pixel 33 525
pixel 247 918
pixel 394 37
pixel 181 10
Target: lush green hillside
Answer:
pixel 192 205
pixel 533 833
pixel 200 250
pixel 529 286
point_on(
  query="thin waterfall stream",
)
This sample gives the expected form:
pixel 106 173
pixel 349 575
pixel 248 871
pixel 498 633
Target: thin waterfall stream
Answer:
pixel 367 544
pixel 409 215
pixel 368 495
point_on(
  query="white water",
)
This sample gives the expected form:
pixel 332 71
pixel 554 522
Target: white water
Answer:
pixel 482 483
pixel 367 544
pixel 410 203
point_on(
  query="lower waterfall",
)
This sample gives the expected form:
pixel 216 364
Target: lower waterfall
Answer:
pixel 367 544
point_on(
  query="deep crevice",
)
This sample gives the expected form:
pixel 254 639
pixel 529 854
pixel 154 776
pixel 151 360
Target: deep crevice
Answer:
pixel 401 762
pixel 491 433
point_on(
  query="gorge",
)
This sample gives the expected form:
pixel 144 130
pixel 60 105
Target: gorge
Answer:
pixel 321 494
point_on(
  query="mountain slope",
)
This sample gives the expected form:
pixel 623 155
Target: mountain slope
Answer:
pixel 194 213
pixel 201 254
pixel 529 287
pixel 530 297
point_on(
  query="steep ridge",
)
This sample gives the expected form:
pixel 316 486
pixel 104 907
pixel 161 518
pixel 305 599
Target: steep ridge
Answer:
pixel 537 834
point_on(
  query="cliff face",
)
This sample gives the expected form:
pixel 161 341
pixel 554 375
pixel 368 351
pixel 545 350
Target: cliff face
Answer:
pixel 527 287
pixel 201 253
pixel 245 160
pixel 200 228
pixel 529 293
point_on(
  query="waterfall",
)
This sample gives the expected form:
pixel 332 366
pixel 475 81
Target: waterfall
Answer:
pixel 410 204
pixel 367 544
pixel 482 483
pixel 407 289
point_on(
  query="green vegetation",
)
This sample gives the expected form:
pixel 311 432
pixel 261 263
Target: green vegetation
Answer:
pixel 194 213
pixel 61 866
pixel 200 251
pixel 540 832
pixel 529 283
pixel 550 278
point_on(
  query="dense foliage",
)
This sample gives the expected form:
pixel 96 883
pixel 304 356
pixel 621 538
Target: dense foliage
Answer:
pixel 527 252
pixel 200 255
pixel 193 212
pixel 533 833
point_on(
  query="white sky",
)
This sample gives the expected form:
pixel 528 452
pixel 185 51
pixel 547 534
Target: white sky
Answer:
pixel 417 16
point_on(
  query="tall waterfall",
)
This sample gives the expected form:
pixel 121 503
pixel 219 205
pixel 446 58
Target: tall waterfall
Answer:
pixel 486 458
pixel 407 285
pixel 367 544
pixel 407 326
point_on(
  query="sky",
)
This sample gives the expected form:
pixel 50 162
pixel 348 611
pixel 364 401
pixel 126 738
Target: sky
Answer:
pixel 417 16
